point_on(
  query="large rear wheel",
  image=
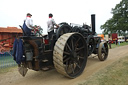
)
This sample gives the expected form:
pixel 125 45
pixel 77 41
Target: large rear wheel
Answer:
pixel 70 54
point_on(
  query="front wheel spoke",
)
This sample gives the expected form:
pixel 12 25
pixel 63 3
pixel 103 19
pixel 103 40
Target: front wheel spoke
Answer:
pixel 103 55
pixel 104 50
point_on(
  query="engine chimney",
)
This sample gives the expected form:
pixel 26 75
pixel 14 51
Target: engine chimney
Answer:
pixel 93 23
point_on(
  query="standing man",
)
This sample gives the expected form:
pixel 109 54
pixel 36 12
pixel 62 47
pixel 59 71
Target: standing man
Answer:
pixel 28 24
pixel 109 42
pixel 116 41
pixel 51 23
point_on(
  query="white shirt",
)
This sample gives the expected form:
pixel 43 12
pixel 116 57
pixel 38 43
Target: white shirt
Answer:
pixel 29 22
pixel 50 24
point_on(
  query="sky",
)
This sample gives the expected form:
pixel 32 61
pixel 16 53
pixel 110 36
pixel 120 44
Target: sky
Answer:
pixel 13 12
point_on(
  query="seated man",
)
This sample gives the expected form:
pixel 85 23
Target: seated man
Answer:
pixel 28 25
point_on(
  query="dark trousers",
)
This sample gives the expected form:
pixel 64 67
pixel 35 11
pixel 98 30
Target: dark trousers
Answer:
pixel 110 45
pixel 26 30
pixel 50 34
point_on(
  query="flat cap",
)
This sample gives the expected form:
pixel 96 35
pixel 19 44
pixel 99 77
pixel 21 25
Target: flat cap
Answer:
pixel 28 14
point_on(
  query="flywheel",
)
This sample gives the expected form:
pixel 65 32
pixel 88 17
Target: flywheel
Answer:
pixel 90 44
pixel 63 28
pixel 70 54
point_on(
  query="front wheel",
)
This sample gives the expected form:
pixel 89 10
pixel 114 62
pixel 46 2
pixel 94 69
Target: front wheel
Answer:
pixel 103 51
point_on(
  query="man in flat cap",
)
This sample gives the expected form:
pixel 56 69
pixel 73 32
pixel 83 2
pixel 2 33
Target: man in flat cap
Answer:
pixel 28 24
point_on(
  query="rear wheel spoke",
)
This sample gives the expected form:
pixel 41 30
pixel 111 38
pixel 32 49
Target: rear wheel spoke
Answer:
pixel 78 49
pixel 68 47
pixel 77 65
pixel 67 65
pixel 67 53
pixel 72 67
pixel 77 40
pixel 72 43
pixel 67 59
pixel 80 57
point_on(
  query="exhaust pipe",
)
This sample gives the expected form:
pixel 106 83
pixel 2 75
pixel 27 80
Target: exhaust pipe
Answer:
pixel 93 23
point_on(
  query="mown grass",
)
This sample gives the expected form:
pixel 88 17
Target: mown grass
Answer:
pixel 8 69
pixel 7 58
pixel 6 63
pixel 121 44
pixel 115 74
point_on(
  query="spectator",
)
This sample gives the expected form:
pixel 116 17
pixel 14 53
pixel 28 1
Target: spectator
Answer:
pixel 109 42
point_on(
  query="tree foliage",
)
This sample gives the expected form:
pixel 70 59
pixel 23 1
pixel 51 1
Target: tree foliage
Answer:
pixel 119 21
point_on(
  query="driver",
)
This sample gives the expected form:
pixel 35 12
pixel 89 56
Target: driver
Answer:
pixel 28 24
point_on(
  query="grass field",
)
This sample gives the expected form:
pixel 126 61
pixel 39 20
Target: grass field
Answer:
pixel 115 74
pixel 121 44
pixel 6 61
pixel 9 69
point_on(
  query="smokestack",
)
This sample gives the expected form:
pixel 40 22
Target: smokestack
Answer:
pixel 93 23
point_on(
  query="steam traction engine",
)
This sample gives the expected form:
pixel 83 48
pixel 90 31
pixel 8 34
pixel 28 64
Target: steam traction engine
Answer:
pixel 67 51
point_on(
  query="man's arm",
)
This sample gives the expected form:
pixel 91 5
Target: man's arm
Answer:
pixel 57 25
pixel 54 23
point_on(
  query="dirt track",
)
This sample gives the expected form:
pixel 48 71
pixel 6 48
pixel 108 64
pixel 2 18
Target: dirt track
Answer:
pixel 52 77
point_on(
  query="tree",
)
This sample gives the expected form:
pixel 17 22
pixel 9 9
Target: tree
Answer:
pixel 119 21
